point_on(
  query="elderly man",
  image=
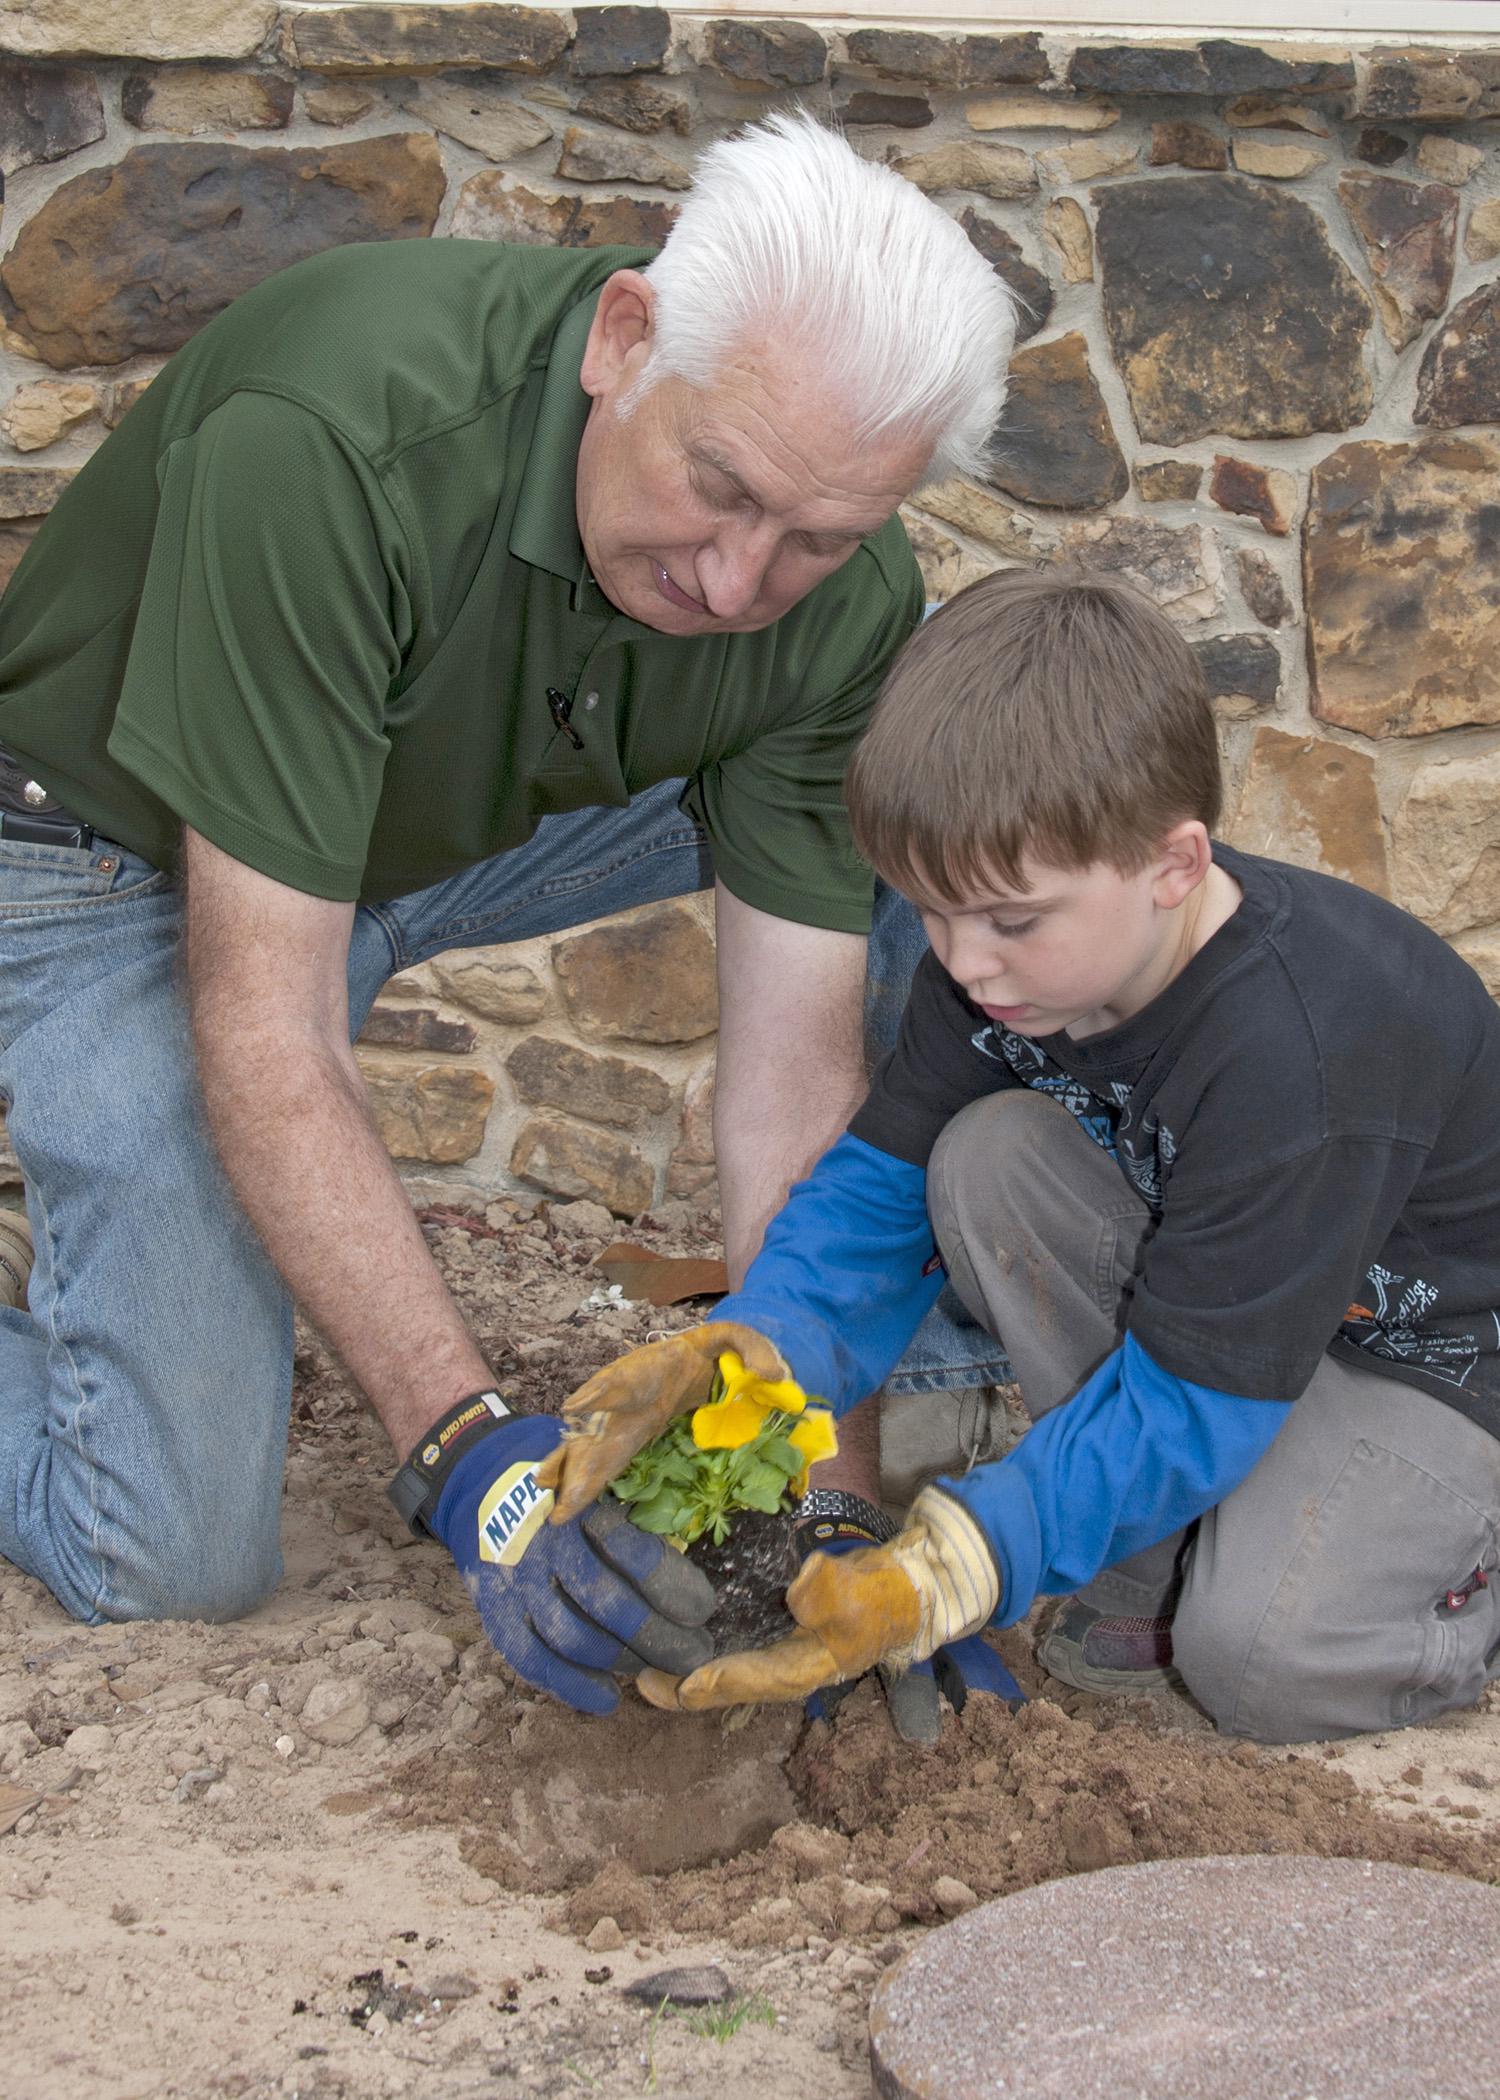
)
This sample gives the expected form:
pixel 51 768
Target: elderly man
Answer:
pixel 393 619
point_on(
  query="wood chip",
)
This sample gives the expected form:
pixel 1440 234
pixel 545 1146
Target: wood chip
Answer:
pixel 661 1279
pixel 15 1801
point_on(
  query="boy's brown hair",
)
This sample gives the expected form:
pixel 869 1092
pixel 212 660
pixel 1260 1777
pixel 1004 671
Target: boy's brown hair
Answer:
pixel 1041 713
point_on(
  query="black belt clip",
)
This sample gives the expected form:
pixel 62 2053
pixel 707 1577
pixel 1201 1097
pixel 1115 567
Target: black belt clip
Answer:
pixel 29 813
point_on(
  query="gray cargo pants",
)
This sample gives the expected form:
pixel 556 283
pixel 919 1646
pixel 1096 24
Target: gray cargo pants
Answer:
pixel 1318 1598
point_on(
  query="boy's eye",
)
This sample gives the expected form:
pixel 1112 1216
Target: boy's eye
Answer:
pixel 1012 930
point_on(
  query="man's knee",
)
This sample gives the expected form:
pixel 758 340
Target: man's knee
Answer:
pixel 203 1564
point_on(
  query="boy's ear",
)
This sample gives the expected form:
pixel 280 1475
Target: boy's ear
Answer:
pixel 619 335
pixel 1180 863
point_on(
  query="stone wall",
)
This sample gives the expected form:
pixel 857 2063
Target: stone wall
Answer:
pixel 1260 377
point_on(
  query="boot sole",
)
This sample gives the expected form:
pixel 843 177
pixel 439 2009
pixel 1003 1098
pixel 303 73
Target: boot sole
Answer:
pixel 1062 1660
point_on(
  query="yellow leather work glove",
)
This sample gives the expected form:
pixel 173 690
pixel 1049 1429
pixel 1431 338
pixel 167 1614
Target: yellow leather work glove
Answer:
pixel 618 1411
pixel 894 1604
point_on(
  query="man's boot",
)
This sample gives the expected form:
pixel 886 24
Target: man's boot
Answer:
pixel 15 1256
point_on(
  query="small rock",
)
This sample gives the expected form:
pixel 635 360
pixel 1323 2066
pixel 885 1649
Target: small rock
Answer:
pixel 1268 494
pixel 1263 589
pixel 432 1652
pixel 335 1711
pixel 809 1850
pixel 1066 229
pixel 606 1938
pixel 1448 160
pixel 1275 160
pixel 340 102
pixel 860 1969
pixel 196 1782
pixel 1380 148
pixel 258 1698
pixel 1181 144
pixel 284 1745
pixel 1167 480
pixel 41 413
pixel 706 1986
pixel 1088 161
pixel 953 1897
pixel 17 1742
pixel 1482 235
pixel 91 1746
pixel 583 1220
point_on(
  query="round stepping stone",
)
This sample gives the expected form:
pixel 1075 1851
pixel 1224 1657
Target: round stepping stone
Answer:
pixel 1264 1979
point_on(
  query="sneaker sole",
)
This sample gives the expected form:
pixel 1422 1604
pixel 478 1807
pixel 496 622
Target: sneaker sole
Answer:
pixel 1061 1659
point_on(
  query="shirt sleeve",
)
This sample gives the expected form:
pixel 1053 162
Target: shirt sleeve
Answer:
pixel 846 1274
pixel 272 623
pixel 774 810
pixel 936 1068
pixel 1245 1282
pixel 1134 1456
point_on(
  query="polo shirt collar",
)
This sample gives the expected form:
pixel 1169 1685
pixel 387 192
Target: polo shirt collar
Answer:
pixel 544 528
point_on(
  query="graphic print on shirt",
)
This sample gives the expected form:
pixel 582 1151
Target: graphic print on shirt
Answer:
pixel 1397 1327
pixel 1102 1117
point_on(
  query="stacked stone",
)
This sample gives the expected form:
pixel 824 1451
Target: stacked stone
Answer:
pixel 1259 375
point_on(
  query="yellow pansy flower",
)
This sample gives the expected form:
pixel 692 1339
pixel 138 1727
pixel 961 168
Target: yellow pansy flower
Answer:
pixel 740 1411
pixel 815 1437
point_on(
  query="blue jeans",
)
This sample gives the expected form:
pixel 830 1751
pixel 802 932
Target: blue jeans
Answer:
pixel 144 1391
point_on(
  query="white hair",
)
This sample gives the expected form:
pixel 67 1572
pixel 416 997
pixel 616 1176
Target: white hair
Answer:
pixel 789 237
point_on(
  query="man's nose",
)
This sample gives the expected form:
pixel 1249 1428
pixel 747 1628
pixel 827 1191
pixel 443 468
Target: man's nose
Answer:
pixel 731 568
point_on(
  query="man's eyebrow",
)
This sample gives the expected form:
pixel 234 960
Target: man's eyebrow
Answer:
pixel 708 457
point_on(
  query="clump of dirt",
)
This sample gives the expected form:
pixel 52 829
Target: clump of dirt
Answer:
pixel 751 1572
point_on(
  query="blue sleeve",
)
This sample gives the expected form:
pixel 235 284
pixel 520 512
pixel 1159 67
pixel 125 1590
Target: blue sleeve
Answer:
pixel 1132 1457
pixel 847 1271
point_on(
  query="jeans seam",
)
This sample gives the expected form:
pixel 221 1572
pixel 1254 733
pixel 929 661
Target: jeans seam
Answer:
pixel 75 1435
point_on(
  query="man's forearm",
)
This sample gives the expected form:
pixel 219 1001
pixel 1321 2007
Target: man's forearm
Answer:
pixel 771 1126
pixel 290 1121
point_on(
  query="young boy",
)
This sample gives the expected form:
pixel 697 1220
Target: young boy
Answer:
pixel 1212 1144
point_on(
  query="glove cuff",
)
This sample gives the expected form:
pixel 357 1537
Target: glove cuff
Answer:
pixel 947 1558
pixel 832 1517
pixel 417 1487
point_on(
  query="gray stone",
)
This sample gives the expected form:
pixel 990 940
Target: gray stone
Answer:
pixel 767 54
pixel 30 492
pixel 190 99
pixel 337 102
pixel 1258 1977
pixel 637 105
pixel 136 257
pixel 1177 567
pixel 597 156
pixel 608 1090
pixel 1003 254
pixel 616 40
pixel 901 112
pixel 704 1986
pixel 1446 841
pixel 492 207
pixel 951 62
pixel 1055 445
pixel 335 1711
pixel 1263 589
pixel 1431 83
pixel 1401 646
pixel 478 114
pixel 1409 230
pixel 1228 310
pixel 416 1028
pixel 1242 672
pixel 1459 380
pixel 46 113
pixel 427 39
pixel 1215 67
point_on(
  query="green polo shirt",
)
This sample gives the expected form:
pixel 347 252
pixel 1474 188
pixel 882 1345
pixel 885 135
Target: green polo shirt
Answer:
pixel 310 596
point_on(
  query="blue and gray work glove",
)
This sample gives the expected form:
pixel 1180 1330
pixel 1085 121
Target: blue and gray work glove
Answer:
pixel 569 1606
pixel 836 1522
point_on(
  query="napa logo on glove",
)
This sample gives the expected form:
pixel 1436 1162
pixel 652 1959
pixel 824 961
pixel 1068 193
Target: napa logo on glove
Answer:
pixel 510 1513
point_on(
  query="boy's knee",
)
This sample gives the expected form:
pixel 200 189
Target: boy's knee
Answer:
pixel 992 1142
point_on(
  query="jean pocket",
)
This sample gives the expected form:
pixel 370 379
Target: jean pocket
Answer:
pixel 36 878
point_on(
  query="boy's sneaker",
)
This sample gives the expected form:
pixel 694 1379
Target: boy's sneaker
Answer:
pixel 1109 1654
pixel 15 1256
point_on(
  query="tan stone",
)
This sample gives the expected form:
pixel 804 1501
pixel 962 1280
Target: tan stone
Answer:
pixel 1268 494
pixel 1167 480
pixel 947 568
pixel 1065 226
pixel 29 492
pixel 428 39
pixel 1309 800
pixel 1089 161
pixel 1034 112
pixel 647 975
pixel 1270 157
pixel 493 207
pixel 1445 840
pixel 40 413
pixel 1447 159
pixel 1265 113
pixel 477 115
pixel 596 156
pixel 1178 567
pixel 118 399
pixel 982 516
pixel 1001 172
pixel 403 1027
pixel 188 99
pixel 690 1170
pixel 499 990
pixel 609 1090
pixel 136 257
pixel 1179 143
pixel 572 1160
pixel 435 1111
pixel 1481 951
pixel 1482 236
pixel 1409 230
pixel 142 29
pixel 340 101
pixel 335 1711
pixel 1403 600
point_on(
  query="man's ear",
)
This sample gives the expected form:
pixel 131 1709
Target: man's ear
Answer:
pixel 620 334
pixel 1180 863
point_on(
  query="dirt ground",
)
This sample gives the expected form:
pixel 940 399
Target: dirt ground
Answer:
pixel 336 1849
